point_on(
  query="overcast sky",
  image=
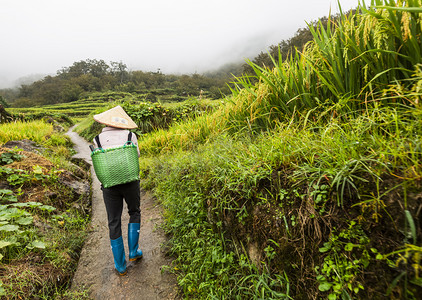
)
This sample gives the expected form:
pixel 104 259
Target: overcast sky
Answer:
pixel 177 36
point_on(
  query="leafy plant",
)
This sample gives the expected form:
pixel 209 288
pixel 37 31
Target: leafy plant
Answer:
pixel 15 227
pixel 2 290
pixel 346 258
pixel 7 196
pixel 320 195
pixel 10 156
pixel 18 177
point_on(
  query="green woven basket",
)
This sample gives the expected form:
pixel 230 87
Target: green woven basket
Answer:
pixel 117 165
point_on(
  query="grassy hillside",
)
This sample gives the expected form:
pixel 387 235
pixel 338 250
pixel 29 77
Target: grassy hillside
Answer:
pixel 43 221
pixel 75 109
pixel 306 184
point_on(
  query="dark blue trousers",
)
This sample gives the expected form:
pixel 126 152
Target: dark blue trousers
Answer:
pixel 113 200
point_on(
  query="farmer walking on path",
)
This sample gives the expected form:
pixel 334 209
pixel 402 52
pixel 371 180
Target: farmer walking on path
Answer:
pixel 116 164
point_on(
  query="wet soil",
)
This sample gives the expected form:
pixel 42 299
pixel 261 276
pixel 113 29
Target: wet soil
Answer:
pixel 95 272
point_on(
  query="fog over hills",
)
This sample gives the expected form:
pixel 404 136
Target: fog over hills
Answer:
pixel 182 36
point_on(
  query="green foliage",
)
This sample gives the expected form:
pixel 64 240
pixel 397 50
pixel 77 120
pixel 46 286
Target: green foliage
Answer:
pixel 348 65
pixel 320 196
pixel 150 116
pixel 7 196
pixel 16 229
pixel 17 177
pixel 347 257
pixel 37 131
pixel 212 265
pixel 10 156
pixel 61 112
pixel 3 102
pixel 287 190
pixel 306 182
pixel 291 178
pixel 38 218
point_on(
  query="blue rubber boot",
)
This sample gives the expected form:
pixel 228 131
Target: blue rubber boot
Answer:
pixel 133 238
pixel 118 250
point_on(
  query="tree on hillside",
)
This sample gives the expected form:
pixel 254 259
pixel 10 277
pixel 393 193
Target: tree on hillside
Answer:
pixel 3 102
pixel 96 68
pixel 119 70
pixel 148 80
pixel 48 90
pixel 9 94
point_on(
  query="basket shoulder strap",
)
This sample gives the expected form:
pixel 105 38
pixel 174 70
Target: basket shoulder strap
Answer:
pixel 97 139
pixel 129 137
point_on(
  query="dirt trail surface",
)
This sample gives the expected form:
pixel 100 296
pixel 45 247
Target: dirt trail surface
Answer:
pixel 95 271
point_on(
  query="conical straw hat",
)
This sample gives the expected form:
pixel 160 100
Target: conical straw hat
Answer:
pixel 115 117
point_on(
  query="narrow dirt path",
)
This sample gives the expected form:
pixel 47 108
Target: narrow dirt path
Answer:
pixel 96 269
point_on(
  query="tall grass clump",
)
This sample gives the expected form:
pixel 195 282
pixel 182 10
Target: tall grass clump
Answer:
pixel 307 183
pixel 37 131
pixel 42 133
pixel 341 70
pixel 306 210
